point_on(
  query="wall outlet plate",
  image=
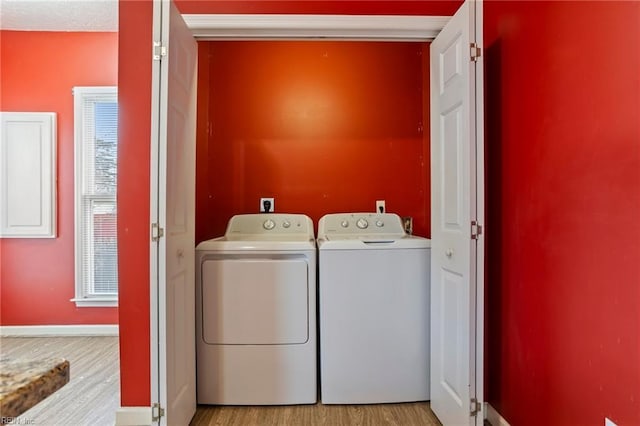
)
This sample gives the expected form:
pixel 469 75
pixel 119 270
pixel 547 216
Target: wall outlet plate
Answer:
pixel 271 202
pixel 407 223
pixel 380 207
pixel 609 422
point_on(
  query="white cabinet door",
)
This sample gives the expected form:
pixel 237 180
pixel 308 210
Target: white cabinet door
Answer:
pixel 28 175
pixel 174 381
pixel 454 196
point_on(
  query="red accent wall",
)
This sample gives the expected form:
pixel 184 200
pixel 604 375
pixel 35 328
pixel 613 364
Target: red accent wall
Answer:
pixel 322 126
pixel 134 229
pixel 39 70
pixel 563 188
pixel 134 74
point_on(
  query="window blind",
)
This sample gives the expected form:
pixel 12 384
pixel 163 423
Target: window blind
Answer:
pixel 97 225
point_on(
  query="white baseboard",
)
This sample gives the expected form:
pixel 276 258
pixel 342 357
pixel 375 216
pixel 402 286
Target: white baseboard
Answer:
pixel 495 418
pixel 133 416
pixel 58 330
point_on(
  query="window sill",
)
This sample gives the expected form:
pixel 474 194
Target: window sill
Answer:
pixel 96 302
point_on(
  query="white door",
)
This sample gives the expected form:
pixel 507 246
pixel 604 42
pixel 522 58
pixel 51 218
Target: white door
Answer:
pixel 456 374
pixel 173 340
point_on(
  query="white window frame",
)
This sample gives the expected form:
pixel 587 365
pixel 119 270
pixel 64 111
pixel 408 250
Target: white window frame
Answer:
pixel 82 299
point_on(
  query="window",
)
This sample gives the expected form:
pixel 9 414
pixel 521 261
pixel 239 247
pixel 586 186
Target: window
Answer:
pixel 96 147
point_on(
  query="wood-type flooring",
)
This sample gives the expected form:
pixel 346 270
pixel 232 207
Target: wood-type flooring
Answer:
pixel 406 414
pixel 92 396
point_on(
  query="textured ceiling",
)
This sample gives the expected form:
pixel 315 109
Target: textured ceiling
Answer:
pixel 59 15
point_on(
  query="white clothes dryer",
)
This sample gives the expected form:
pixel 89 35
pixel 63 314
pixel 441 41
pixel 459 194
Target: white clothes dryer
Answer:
pixel 373 310
pixel 256 312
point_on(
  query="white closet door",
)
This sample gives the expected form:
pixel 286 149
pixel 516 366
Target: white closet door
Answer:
pixel 174 381
pixel 454 195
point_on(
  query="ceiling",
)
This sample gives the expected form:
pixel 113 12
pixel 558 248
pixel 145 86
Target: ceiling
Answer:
pixel 59 15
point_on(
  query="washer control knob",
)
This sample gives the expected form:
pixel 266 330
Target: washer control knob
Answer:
pixel 379 223
pixel 268 224
pixel 286 224
pixel 362 223
pixel 344 224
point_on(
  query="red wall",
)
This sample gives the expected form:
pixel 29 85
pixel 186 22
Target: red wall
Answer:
pixel 321 126
pixel 39 70
pixel 133 184
pixel 134 138
pixel 563 188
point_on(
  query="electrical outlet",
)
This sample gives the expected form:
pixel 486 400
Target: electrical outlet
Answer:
pixel 267 205
pixel 608 422
pixel 380 208
pixel 407 223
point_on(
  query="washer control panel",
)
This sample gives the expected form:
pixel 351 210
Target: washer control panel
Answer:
pixel 357 225
pixel 270 224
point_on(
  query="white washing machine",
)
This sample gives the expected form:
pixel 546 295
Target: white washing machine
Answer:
pixel 373 310
pixel 256 312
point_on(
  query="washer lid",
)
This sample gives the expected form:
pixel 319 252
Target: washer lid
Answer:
pixel 373 243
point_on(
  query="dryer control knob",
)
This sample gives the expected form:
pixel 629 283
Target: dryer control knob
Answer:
pixel 362 223
pixel 268 224
pixel 379 223
pixel 286 224
pixel 344 224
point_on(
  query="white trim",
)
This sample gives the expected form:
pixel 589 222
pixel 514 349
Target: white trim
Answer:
pixel 342 27
pixel 480 205
pixel 156 350
pixel 495 418
pixel 58 330
pixel 291 27
pixel 80 94
pixel 96 302
pixel 133 416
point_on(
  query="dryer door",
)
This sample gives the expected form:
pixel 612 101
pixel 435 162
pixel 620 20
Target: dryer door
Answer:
pixel 255 301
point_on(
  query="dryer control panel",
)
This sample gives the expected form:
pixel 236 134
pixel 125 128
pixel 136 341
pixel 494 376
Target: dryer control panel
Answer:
pixel 357 225
pixel 271 224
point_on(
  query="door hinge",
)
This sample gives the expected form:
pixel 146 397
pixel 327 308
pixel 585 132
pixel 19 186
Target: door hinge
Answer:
pixel 476 230
pixel 156 232
pixel 159 51
pixel 476 407
pixel 476 52
pixel 156 412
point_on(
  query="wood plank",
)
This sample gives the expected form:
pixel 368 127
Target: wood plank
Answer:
pixel 405 414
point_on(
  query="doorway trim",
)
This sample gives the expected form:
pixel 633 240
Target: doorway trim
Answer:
pixel 262 27
pixel 325 27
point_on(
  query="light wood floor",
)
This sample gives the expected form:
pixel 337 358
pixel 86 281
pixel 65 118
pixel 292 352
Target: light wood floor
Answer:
pixel 92 395
pixel 407 414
